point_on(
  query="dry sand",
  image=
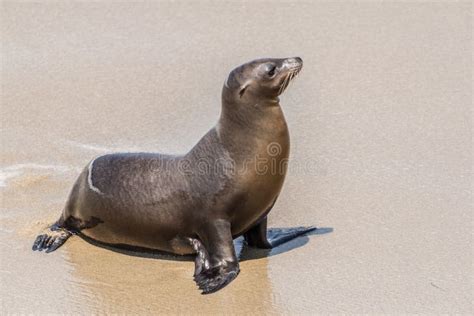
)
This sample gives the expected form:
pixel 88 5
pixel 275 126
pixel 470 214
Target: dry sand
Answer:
pixel 380 123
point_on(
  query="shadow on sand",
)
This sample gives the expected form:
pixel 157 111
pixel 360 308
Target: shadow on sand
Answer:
pixel 243 251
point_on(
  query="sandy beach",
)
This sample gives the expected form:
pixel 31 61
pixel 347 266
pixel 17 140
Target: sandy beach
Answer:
pixel 381 159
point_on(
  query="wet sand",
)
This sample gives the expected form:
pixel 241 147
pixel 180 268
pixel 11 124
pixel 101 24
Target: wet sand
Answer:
pixel 380 122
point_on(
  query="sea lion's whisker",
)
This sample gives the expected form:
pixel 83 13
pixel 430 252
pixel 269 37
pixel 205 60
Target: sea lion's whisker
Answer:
pixel 289 80
pixel 285 83
pixel 282 87
pixel 290 76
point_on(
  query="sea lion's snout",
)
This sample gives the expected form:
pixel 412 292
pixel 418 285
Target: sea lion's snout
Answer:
pixel 290 69
pixel 293 62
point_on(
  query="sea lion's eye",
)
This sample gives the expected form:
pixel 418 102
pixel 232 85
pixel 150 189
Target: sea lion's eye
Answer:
pixel 271 71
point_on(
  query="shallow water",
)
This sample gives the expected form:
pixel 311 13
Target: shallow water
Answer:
pixel 381 150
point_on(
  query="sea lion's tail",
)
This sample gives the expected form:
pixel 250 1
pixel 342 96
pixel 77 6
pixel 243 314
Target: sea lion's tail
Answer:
pixel 53 238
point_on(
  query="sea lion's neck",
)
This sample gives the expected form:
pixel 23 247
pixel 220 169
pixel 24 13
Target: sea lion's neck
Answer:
pixel 252 127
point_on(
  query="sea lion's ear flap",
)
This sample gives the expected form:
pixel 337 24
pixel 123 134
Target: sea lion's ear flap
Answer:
pixel 242 89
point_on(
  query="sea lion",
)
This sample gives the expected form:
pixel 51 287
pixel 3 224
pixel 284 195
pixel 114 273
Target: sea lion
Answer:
pixel 197 203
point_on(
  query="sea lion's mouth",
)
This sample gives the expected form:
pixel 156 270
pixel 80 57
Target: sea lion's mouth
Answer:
pixel 292 73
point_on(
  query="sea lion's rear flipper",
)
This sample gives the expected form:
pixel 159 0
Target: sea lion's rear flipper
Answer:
pixel 216 264
pixel 257 235
pixel 51 239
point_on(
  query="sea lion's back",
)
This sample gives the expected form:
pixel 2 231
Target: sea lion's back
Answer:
pixel 132 173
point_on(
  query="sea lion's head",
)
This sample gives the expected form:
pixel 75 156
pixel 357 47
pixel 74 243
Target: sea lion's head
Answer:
pixel 260 81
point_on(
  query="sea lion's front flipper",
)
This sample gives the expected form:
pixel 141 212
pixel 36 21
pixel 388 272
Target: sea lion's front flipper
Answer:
pixel 257 235
pixel 216 262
